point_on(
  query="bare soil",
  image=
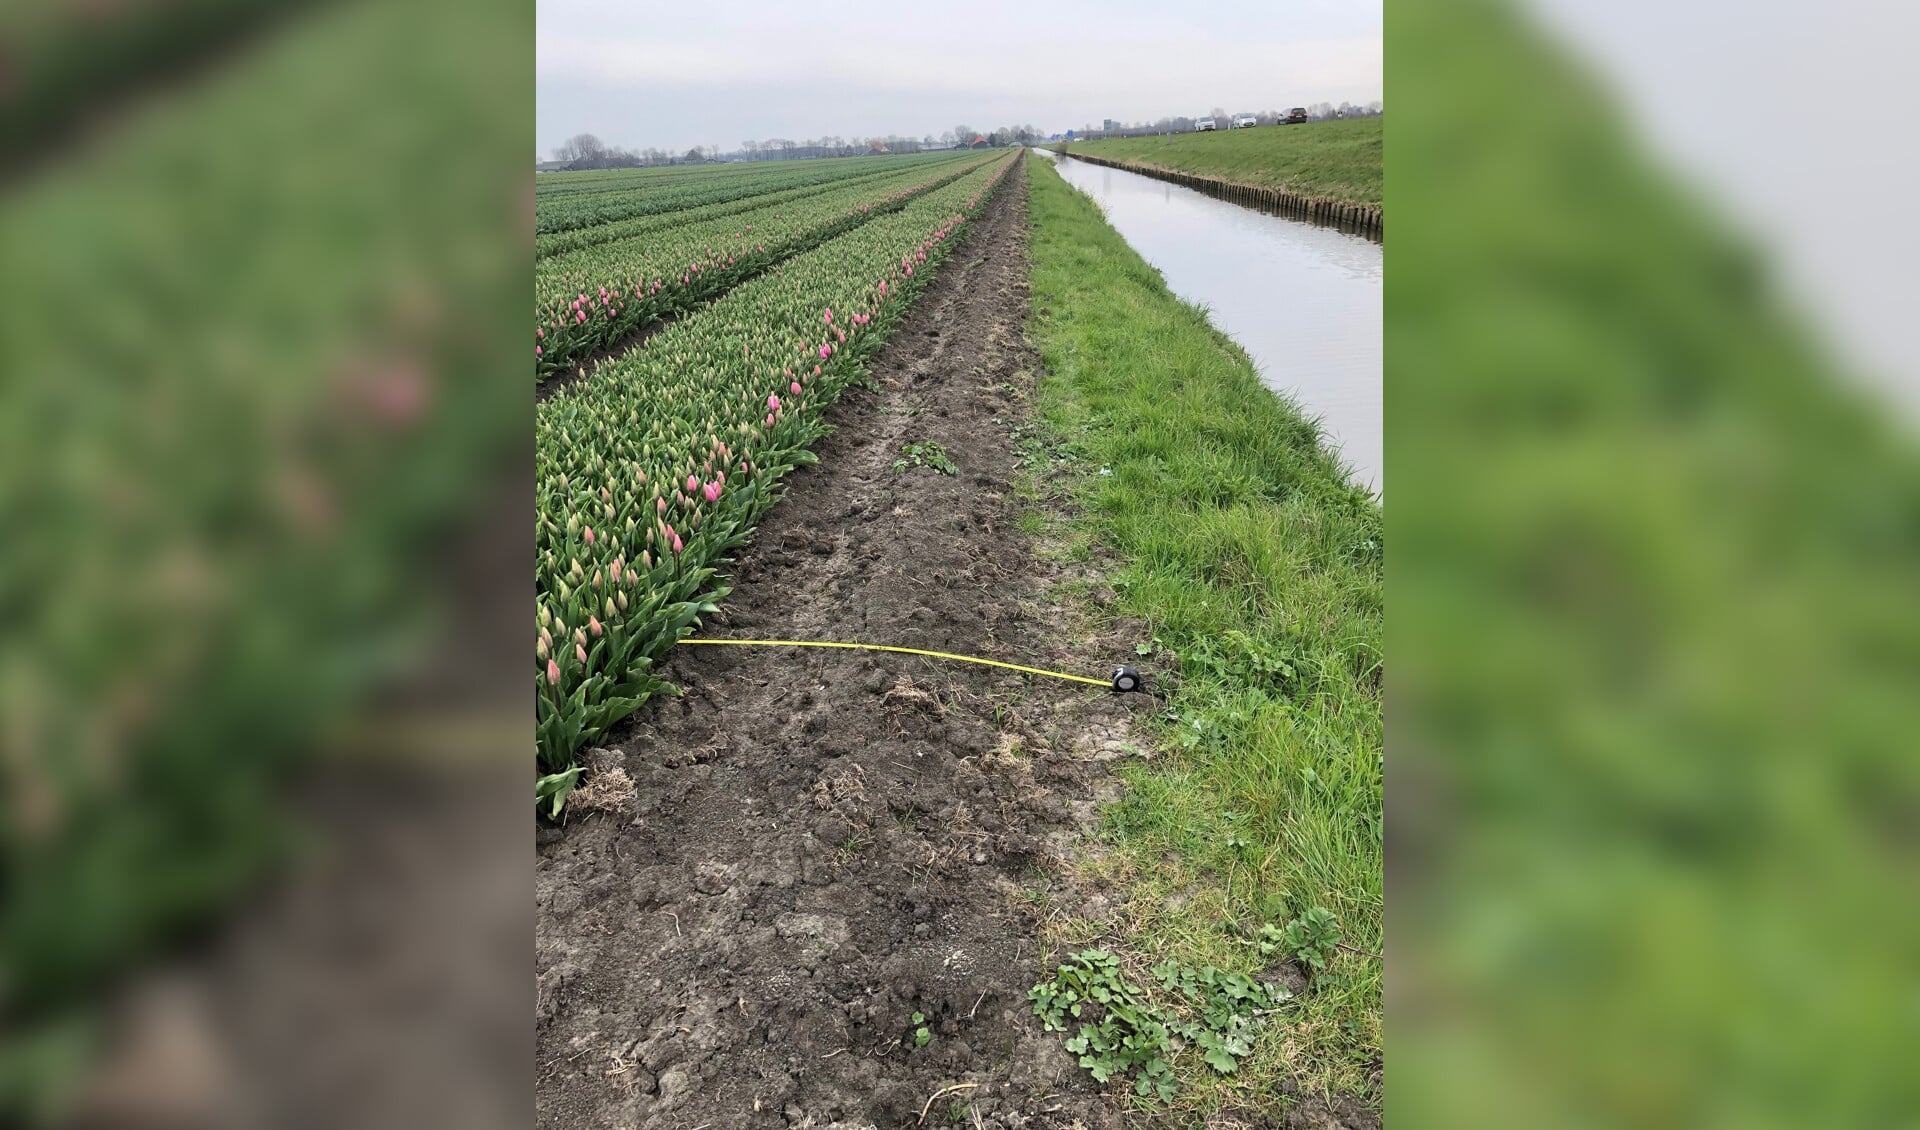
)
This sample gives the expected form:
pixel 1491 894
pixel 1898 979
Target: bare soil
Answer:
pixel 810 846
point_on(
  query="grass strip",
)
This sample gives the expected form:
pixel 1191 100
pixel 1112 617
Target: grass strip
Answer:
pixel 1259 569
pixel 1337 160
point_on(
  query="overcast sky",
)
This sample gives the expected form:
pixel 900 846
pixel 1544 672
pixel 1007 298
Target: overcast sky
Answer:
pixel 713 72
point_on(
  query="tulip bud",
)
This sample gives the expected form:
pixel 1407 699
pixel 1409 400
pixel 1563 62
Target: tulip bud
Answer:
pixel 553 673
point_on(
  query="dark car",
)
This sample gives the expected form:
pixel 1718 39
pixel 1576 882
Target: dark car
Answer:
pixel 1295 116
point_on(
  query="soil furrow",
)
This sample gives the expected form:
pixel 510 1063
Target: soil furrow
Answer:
pixel 818 845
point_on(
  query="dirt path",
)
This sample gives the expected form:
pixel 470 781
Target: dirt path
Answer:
pixel 823 843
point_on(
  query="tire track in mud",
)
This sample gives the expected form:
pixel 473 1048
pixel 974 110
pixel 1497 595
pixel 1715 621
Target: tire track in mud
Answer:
pixel 819 844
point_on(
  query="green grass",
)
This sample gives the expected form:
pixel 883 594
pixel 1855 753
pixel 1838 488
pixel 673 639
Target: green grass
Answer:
pixel 1340 160
pixel 1237 538
pixel 1654 634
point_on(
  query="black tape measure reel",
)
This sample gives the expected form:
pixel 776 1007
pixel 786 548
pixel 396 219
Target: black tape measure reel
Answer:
pixel 1127 679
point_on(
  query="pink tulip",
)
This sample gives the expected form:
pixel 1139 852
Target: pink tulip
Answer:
pixel 769 419
pixel 692 483
pixel 773 402
pixel 794 388
pixel 711 492
pixel 589 535
pixel 619 563
pixel 539 352
pixel 540 334
pixel 676 543
pixel 593 626
pixel 826 351
pixel 582 653
pixel 829 316
pixel 553 673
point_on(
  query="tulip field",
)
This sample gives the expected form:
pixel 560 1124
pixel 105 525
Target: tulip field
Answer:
pixel 556 243
pixel 590 296
pixel 656 465
pixel 572 201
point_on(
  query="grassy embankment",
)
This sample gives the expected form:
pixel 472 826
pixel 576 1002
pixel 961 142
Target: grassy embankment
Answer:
pixel 1654 632
pixel 1337 160
pixel 1259 570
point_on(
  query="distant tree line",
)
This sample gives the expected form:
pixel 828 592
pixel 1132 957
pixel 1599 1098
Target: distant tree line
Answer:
pixel 1316 112
pixel 586 151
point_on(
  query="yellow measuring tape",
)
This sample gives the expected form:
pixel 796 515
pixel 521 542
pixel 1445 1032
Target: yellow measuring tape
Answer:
pixel 908 651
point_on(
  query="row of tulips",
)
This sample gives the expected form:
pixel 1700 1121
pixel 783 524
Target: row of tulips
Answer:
pixel 559 243
pixel 557 185
pixel 644 197
pixel 587 300
pixel 656 468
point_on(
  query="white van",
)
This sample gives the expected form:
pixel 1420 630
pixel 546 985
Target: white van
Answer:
pixel 1203 125
pixel 1242 121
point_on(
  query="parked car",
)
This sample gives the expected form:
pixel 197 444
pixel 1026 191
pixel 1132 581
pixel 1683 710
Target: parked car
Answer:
pixel 1203 125
pixel 1295 116
pixel 1242 121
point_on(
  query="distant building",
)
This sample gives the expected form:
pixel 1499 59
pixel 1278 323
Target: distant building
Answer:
pixel 550 166
pixel 877 147
pixel 1110 125
pixel 979 141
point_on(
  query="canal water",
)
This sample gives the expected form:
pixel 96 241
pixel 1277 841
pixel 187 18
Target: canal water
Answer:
pixel 1304 301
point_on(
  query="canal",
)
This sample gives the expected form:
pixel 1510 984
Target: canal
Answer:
pixel 1303 300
